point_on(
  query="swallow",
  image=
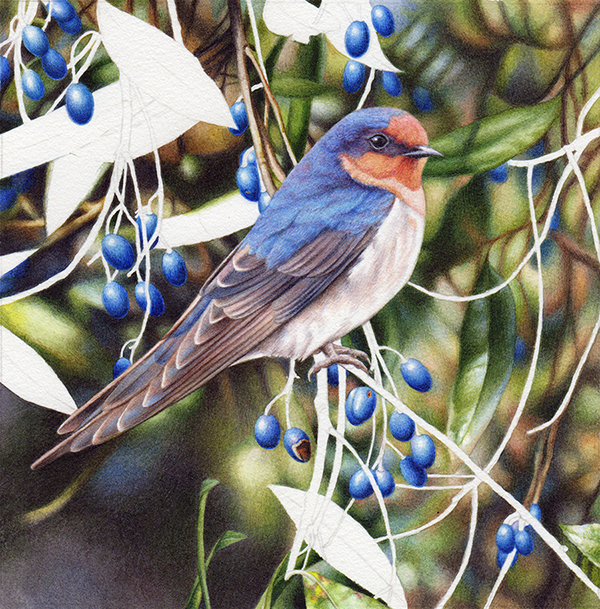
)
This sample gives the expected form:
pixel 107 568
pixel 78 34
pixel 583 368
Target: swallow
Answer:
pixel 338 240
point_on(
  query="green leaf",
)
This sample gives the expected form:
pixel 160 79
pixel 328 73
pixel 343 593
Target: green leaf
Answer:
pixel 228 538
pixel 487 347
pixel 586 538
pixel 275 587
pixel 326 594
pixel 288 86
pixel 491 141
pixel 463 228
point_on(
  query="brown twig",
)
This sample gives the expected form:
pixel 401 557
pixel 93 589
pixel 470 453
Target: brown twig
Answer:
pixel 260 145
pixel 575 251
pixel 277 111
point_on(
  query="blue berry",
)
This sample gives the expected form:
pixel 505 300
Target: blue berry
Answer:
pixel 416 375
pixel 61 10
pixel 240 118
pixel 117 251
pixel 385 481
pixel 360 405
pixel 555 221
pixel 72 26
pixel 383 21
pixel 499 174
pixel 54 65
pixel 359 485
pixel 357 38
pixel 536 511
pixel 23 181
pixel 423 450
pixel 32 84
pixel 248 157
pixel 150 222
pixel 80 104
pixel 401 426
pixel 412 472
pixel 120 366
pixel 333 375
pixel 391 83
pixel 35 40
pixel 267 431
pixel 263 201
pixel 524 542
pixel 502 556
pixel 505 538
pixel 8 197
pixel 354 76
pixel 248 182
pixel 115 300
pixel 157 303
pixel 9 281
pixel 520 351
pixel 174 269
pixel 422 99
pixel 297 444
pixel 5 71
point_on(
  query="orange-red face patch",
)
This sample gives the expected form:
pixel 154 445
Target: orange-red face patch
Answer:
pixel 407 129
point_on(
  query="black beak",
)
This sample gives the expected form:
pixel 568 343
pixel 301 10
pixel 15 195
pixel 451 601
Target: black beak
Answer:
pixel 421 152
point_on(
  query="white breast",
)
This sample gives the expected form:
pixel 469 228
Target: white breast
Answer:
pixel 381 271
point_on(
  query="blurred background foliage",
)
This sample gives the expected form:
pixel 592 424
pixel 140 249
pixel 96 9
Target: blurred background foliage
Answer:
pixel 119 524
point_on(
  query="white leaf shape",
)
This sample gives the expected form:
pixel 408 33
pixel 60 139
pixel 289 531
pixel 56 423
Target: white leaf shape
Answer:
pixel 54 135
pixel 216 219
pixel 70 179
pixel 26 373
pixel 343 543
pixel 300 19
pixel 161 67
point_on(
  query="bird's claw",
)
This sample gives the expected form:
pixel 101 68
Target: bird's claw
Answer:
pixel 338 354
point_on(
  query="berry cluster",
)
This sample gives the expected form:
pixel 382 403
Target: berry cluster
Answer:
pixel 515 537
pixel 360 406
pixel 11 187
pixel 119 254
pixel 78 100
pixel 268 433
pixel 356 42
pixel 247 177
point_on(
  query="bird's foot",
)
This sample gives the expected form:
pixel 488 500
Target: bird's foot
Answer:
pixel 338 354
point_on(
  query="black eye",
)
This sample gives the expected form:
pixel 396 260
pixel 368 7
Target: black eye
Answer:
pixel 379 141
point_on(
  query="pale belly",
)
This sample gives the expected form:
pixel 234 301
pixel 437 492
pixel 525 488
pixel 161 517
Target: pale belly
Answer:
pixel 382 270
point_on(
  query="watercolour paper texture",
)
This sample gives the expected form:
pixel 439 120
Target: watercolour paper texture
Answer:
pixel 309 289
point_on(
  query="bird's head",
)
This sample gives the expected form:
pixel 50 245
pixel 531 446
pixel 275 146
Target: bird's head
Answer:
pixel 384 147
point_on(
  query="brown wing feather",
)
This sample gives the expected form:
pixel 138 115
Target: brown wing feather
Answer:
pixel 243 302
